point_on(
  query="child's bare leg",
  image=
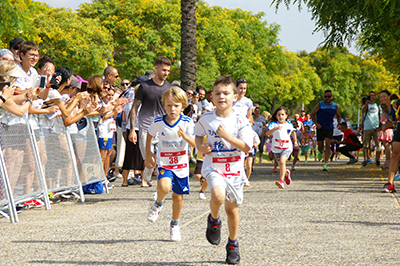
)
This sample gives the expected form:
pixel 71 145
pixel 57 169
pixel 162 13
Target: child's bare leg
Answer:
pixel 282 167
pixel 177 204
pixel 232 211
pixel 248 164
pixel 217 199
pixel 163 187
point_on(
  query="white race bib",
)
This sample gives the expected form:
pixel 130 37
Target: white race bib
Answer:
pixel 112 126
pixel 174 160
pixel 228 166
pixel 281 144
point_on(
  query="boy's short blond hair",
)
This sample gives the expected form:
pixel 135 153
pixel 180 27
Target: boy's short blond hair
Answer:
pixel 226 80
pixel 177 94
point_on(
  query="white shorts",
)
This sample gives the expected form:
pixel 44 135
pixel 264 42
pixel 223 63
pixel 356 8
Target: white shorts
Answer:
pixel 233 193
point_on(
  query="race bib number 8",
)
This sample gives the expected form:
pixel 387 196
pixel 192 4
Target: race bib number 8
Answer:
pixel 227 166
pixel 174 160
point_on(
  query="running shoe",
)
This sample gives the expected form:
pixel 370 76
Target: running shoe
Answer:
pixel 292 168
pixel 319 156
pixel 364 163
pixel 378 163
pixel 154 211
pixel 261 160
pixel 397 177
pixel 275 170
pixel 202 195
pixel 369 161
pixel 305 162
pixel 280 184
pixel 388 188
pixel 288 180
pixel 213 232
pixel 352 161
pixel 325 167
pixel 175 233
pixel 232 253
pixel 247 184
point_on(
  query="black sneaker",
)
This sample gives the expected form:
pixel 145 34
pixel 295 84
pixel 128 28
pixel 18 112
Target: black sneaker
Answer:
pixel 364 163
pixel 378 163
pixel 213 232
pixel 232 253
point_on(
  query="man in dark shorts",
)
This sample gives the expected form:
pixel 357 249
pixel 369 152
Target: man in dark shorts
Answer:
pixel 325 112
pixel 149 97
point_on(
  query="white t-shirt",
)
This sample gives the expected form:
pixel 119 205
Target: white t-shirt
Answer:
pixel 28 81
pixel 107 127
pixel 243 106
pixel 172 153
pixel 281 138
pixel 225 158
pixel 256 139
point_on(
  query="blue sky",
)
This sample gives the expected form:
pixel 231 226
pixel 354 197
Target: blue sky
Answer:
pixel 296 27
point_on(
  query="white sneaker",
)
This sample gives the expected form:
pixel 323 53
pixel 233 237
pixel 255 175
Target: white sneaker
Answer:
pixel 261 161
pixel 175 233
pixel 154 211
pixel 155 195
pixel 202 195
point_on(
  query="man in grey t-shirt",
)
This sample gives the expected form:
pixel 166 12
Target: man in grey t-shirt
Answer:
pixel 149 97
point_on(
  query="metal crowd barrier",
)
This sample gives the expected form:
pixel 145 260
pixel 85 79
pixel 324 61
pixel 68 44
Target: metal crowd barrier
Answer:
pixel 41 156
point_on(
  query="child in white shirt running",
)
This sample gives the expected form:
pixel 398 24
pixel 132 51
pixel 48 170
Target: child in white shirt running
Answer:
pixel 175 134
pixel 282 147
pixel 229 136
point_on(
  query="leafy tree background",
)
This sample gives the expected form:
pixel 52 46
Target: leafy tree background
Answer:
pixel 130 34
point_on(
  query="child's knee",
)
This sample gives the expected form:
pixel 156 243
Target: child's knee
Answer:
pixel 176 198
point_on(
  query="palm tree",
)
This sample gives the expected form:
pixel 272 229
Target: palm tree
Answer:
pixel 188 45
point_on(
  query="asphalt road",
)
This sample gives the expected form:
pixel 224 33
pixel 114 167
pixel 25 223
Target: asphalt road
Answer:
pixel 337 217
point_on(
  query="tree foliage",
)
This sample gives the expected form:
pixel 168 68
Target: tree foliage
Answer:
pixel 373 22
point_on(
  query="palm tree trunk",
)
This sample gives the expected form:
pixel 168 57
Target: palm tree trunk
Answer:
pixel 188 45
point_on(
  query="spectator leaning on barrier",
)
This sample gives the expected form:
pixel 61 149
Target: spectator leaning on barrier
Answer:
pixel 15 104
pixel 371 113
pixel 149 95
pixel 6 54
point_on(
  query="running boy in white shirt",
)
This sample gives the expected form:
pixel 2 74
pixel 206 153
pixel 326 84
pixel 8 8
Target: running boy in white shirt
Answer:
pixel 175 133
pixel 229 136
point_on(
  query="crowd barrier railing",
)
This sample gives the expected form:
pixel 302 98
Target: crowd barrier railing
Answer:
pixel 42 157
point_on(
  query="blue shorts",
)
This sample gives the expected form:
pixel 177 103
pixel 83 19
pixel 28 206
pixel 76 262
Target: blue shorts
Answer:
pixel 180 186
pixel 105 143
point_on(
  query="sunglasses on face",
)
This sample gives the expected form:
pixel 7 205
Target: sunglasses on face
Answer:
pixel 124 84
pixel 116 76
pixel 189 93
pixel 328 96
pixel 16 47
pixel 241 80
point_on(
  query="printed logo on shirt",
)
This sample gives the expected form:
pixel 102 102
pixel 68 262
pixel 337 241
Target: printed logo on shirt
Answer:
pixel 288 131
pixel 179 134
pixel 212 133
pixel 162 134
pixel 162 171
pixel 185 189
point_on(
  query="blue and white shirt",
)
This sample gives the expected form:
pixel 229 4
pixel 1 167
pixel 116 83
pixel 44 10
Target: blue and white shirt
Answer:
pixel 281 138
pixel 225 158
pixel 172 153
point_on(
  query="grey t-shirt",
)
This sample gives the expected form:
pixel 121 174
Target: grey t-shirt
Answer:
pixel 149 93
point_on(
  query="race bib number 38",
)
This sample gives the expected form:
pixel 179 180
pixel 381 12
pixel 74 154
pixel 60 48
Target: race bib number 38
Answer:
pixel 174 160
pixel 227 166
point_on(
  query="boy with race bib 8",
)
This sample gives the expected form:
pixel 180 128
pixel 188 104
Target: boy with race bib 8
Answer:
pixel 229 136
pixel 175 133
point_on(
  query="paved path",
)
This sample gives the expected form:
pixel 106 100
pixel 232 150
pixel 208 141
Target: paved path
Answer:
pixel 324 218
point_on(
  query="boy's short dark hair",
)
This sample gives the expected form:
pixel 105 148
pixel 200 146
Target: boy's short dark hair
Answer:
pixel 162 60
pixel 343 124
pixel 226 80
pixel 28 46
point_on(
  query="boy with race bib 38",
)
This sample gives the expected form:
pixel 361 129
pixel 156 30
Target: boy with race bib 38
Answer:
pixel 229 136
pixel 175 134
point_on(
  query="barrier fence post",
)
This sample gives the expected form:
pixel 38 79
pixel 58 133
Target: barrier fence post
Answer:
pixel 9 195
pixel 77 178
pixel 39 167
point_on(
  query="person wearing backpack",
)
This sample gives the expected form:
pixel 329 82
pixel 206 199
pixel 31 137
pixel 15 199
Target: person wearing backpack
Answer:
pixel 351 143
